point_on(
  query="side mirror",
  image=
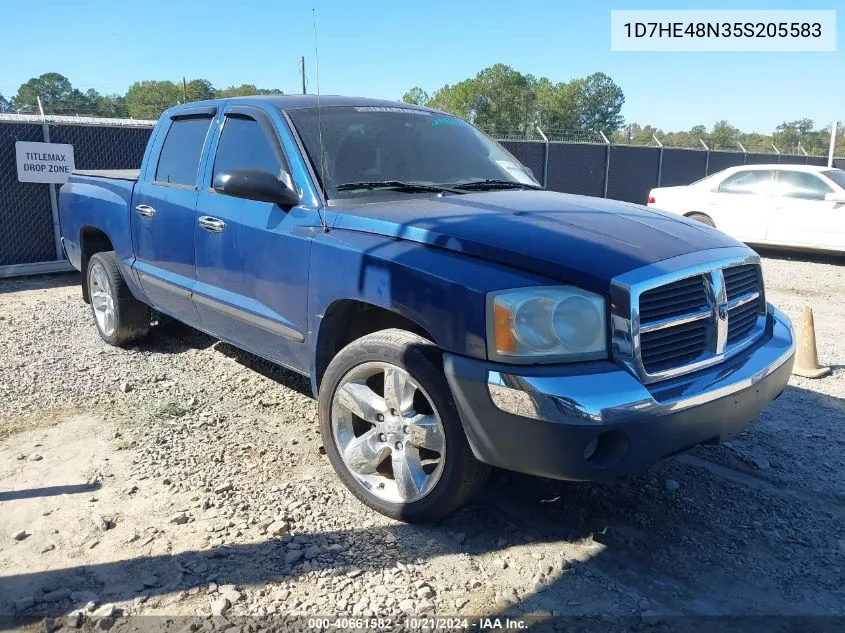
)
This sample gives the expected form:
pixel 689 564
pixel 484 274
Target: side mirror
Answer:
pixel 255 184
pixel 835 196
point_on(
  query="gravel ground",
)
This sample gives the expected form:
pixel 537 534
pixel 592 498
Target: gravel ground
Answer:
pixel 183 477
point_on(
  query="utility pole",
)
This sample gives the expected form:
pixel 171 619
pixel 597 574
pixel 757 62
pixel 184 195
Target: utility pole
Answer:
pixel 302 72
pixel 184 91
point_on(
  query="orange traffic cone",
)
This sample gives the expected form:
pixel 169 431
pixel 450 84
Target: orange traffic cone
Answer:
pixel 807 358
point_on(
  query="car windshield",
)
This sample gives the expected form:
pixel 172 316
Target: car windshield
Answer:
pixel 369 150
pixel 837 176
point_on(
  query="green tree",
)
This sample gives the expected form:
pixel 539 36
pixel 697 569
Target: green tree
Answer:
pixel 5 106
pixel 57 95
pixel 599 104
pixel 723 136
pixel 148 99
pixel 498 99
pixel 416 95
pixel 557 107
pixel 790 135
pixel 112 106
pixel 246 90
pixel 636 134
pixel 198 90
pixel 504 101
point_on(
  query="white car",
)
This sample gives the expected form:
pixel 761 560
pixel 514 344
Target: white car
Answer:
pixel 794 206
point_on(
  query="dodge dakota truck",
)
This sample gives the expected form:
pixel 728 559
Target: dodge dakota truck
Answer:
pixel 451 314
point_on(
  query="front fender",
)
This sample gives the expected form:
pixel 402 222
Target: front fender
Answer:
pixel 441 291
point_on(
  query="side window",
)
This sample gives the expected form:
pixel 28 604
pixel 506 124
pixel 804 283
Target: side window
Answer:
pixel 244 144
pixel 800 184
pixel 756 182
pixel 179 160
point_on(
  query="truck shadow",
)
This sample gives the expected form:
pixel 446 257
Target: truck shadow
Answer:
pixel 632 552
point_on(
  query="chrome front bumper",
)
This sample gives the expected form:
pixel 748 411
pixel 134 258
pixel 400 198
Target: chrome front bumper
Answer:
pixel 614 396
pixel 552 421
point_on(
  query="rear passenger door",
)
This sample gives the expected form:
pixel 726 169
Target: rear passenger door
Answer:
pixel 252 256
pixel 742 204
pixel 162 217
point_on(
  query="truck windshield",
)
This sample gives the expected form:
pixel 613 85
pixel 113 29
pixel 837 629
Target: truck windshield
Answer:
pixel 374 149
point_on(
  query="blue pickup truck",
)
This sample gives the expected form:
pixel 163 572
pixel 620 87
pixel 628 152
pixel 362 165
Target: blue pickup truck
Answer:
pixel 451 314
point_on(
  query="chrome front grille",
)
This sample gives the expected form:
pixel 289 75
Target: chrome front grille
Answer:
pixel 681 321
pixel 674 299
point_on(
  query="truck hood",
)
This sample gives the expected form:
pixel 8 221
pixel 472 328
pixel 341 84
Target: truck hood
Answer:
pixel 576 239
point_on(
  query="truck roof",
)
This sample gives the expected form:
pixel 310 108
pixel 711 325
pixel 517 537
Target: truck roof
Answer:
pixel 294 102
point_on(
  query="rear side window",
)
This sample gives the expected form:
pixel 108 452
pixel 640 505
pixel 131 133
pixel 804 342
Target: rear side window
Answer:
pixel 800 184
pixel 179 160
pixel 837 176
pixel 756 183
pixel 244 144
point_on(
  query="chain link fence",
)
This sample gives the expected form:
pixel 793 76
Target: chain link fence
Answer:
pixel 563 161
pixel 27 232
pixel 26 222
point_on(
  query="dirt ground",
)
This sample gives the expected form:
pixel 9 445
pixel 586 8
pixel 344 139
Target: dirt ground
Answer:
pixel 185 478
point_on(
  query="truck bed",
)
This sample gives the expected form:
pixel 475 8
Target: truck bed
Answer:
pixel 101 199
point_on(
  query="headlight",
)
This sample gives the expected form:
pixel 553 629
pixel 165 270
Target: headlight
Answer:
pixel 546 324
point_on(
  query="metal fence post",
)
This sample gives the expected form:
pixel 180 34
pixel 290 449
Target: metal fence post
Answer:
pixel 606 162
pixel 545 158
pixel 744 153
pixel 659 160
pixel 706 158
pixel 832 143
pixel 777 151
pixel 803 151
pixel 54 200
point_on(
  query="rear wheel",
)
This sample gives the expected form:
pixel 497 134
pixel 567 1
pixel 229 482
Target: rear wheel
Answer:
pixel 704 219
pixel 119 316
pixel 391 429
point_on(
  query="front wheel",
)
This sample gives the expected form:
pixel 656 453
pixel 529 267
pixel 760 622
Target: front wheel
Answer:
pixel 391 429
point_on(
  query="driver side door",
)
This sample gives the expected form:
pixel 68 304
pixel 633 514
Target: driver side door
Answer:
pixel 252 256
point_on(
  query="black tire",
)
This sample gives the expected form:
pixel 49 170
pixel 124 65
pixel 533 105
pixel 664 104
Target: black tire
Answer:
pixel 704 219
pixel 462 475
pixel 131 317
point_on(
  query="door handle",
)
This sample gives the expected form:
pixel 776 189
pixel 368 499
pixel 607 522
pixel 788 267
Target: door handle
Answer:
pixel 145 210
pixel 211 224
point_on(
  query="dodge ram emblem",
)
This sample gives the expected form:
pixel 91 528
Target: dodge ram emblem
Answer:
pixel 723 311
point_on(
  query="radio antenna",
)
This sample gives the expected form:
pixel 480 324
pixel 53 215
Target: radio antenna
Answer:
pixel 319 111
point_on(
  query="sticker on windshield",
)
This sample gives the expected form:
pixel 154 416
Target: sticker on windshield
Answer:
pixel 446 120
pixel 391 109
pixel 516 171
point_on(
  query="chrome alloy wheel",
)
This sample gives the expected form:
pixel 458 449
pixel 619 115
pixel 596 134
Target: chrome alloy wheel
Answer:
pixel 388 433
pixel 101 299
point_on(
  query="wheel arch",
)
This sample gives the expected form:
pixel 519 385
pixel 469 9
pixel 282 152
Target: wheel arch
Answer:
pixel 346 320
pixel 92 240
pixel 690 216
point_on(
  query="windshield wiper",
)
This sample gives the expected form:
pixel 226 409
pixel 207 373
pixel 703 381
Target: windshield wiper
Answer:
pixel 399 185
pixel 493 183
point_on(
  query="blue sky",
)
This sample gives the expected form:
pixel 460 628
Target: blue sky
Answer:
pixel 381 48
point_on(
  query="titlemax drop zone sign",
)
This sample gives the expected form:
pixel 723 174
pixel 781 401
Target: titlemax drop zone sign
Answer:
pixel 43 162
